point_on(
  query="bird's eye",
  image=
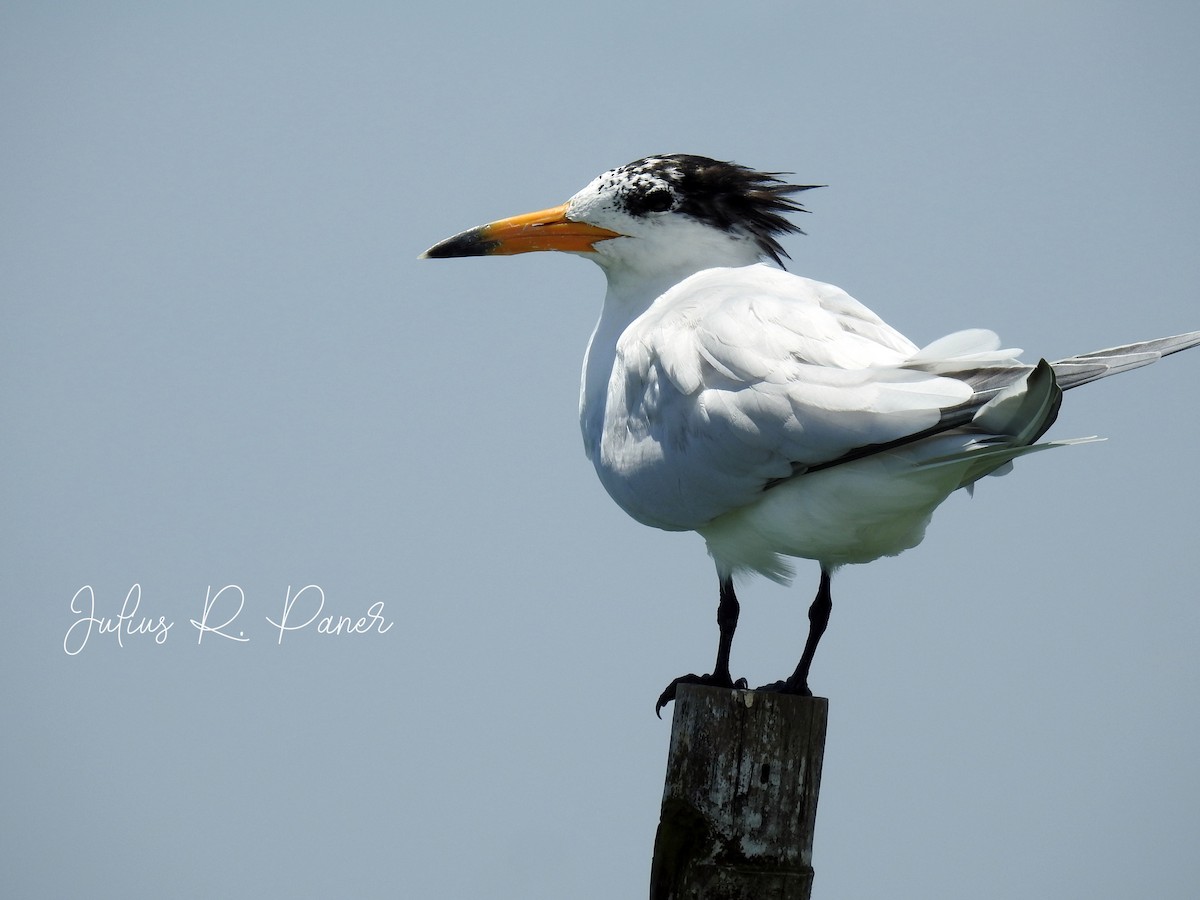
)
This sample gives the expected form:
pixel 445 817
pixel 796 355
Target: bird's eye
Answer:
pixel 654 200
pixel 658 200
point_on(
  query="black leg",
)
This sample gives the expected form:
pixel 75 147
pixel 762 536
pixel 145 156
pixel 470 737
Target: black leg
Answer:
pixel 727 619
pixel 818 619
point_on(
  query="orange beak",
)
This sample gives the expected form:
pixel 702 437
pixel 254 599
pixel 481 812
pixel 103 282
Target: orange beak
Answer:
pixel 546 229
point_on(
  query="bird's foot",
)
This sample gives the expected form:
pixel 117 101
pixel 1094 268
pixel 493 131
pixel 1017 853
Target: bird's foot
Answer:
pixel 714 680
pixel 792 686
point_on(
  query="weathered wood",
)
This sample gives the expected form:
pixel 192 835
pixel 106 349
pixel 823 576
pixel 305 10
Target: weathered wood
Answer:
pixel 740 801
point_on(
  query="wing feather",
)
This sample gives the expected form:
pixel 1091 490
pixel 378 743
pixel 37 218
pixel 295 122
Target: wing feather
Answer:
pixel 742 377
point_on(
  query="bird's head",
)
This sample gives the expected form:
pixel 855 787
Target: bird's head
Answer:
pixel 659 214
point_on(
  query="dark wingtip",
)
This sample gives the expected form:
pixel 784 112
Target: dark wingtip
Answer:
pixel 466 243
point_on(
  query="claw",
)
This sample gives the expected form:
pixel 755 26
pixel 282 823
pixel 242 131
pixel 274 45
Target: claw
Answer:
pixel 669 693
pixel 708 680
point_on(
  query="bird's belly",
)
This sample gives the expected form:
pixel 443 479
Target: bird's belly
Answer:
pixel 657 494
pixel 854 512
pixel 851 513
pixel 676 489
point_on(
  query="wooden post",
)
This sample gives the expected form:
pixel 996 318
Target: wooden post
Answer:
pixel 740 801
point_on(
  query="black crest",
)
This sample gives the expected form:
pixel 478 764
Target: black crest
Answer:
pixel 722 194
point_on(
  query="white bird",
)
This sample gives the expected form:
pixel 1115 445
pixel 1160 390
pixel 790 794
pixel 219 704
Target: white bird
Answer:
pixel 775 415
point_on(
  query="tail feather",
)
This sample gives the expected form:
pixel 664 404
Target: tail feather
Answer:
pixel 1015 402
pixel 1076 370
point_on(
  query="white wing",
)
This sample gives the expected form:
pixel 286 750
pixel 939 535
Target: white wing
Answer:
pixel 736 378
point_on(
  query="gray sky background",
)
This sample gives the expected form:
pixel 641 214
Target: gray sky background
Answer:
pixel 222 364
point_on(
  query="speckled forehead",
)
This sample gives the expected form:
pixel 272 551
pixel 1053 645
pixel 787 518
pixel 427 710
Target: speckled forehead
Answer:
pixel 643 175
pixel 607 191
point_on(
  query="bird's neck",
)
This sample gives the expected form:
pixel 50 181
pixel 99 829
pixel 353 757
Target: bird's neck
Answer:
pixel 642 274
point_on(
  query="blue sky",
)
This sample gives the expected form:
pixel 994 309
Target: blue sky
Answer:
pixel 223 365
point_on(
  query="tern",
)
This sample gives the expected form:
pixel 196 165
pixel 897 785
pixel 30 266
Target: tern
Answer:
pixel 773 414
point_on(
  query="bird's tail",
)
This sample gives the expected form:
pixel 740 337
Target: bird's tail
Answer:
pixel 1076 370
